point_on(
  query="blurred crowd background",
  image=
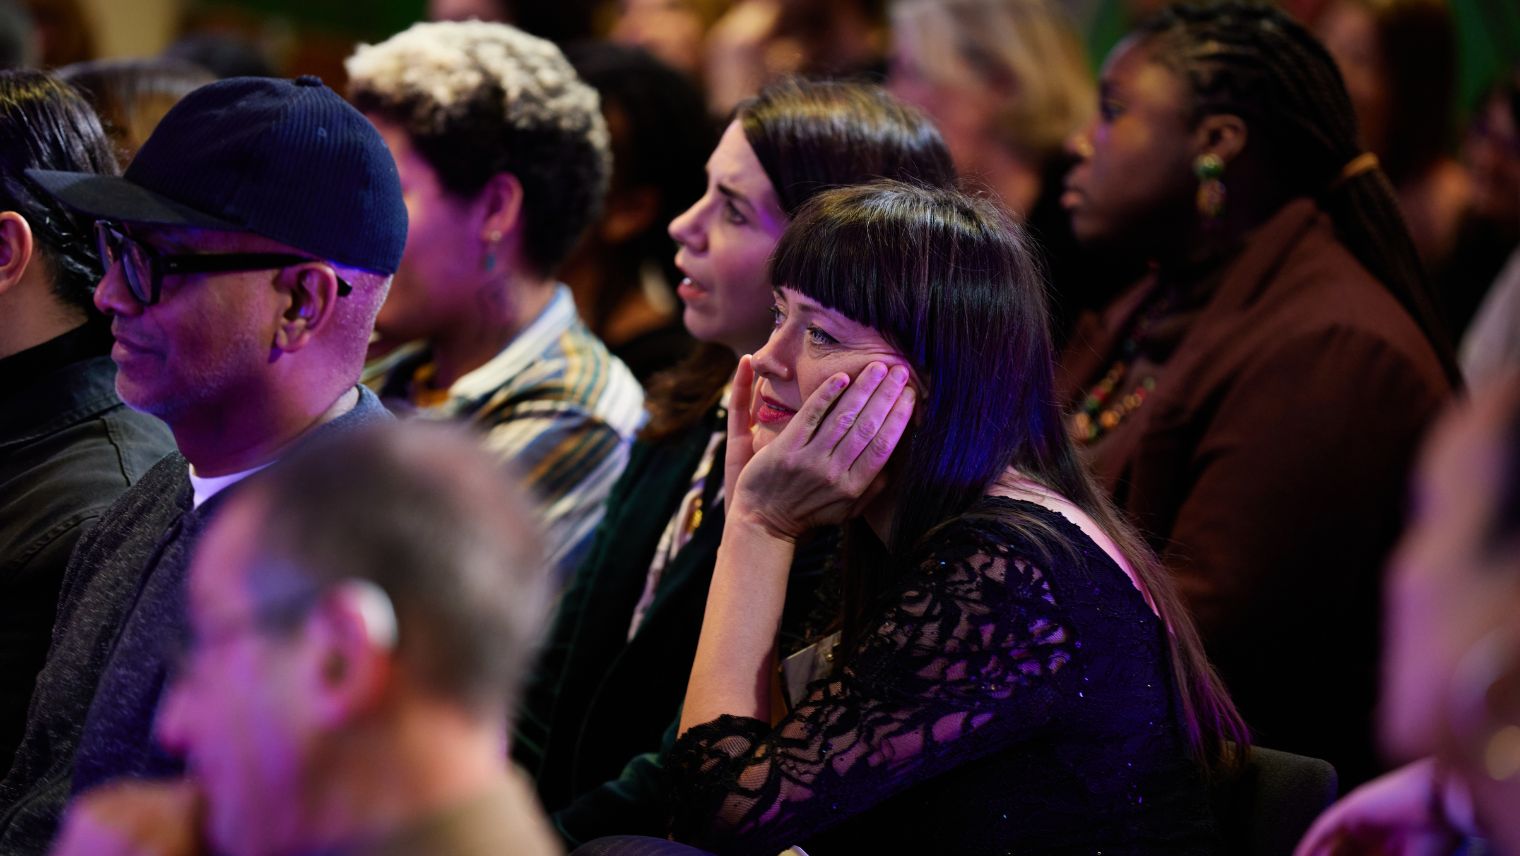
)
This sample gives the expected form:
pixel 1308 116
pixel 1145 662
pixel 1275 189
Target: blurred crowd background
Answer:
pixel 294 37
pixel 1007 84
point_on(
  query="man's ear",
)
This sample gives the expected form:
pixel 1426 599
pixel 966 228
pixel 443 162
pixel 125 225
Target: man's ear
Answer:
pixel 352 642
pixel 311 292
pixel 15 248
pixel 1222 134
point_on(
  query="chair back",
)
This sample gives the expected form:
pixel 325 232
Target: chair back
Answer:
pixel 1268 806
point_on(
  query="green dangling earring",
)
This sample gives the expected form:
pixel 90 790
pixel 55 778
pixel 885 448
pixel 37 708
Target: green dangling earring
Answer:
pixel 1209 168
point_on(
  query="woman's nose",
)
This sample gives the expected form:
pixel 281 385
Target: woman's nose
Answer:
pixel 686 228
pixel 770 361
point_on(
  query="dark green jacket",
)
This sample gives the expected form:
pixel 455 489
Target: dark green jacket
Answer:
pixel 595 712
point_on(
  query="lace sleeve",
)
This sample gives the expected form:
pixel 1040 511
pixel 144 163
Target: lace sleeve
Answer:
pixel 961 662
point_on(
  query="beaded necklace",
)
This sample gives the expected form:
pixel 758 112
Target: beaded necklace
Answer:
pixel 1098 413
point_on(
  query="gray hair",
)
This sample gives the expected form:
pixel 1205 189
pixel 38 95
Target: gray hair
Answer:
pixel 479 99
pixel 421 512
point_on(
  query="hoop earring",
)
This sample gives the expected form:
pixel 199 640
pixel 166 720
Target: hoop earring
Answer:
pixel 1209 168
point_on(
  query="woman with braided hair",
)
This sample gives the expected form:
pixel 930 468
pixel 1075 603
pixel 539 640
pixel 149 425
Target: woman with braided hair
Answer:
pixel 1255 401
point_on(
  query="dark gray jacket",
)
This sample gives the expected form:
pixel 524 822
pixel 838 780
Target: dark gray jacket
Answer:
pixel 121 611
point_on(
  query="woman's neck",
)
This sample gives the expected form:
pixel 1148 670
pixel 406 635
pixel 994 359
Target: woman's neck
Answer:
pixel 500 312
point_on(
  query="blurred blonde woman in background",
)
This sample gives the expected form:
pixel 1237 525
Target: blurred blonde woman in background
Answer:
pixel 1008 82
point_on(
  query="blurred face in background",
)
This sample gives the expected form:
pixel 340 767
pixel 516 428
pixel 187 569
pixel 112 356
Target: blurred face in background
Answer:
pixel 1349 32
pixel 241 710
pixel 1005 81
pixel 1452 595
pixel 965 111
pixel 670 29
pixel 726 240
pixel 1491 153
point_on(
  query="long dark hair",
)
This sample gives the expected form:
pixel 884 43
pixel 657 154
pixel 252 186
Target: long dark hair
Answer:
pixel 954 285
pixel 808 136
pixel 45 124
pixel 1256 62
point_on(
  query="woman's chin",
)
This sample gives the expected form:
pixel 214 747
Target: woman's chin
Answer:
pixel 764 434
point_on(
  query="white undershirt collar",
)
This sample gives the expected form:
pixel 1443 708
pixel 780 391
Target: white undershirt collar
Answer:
pixel 205 488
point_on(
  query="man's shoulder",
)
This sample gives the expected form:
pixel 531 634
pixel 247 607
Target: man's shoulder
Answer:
pixel 147 508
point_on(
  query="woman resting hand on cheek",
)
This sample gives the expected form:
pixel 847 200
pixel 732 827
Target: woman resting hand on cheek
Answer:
pixel 1003 633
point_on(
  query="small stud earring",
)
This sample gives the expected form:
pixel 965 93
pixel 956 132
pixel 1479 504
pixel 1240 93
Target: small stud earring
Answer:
pixel 492 239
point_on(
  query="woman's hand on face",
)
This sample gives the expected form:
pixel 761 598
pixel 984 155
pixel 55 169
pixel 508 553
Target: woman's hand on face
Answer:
pixel 825 465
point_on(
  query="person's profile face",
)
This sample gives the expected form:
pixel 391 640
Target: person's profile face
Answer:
pixel 1133 172
pixel 207 340
pixel 1447 590
pixel 725 240
pixel 809 343
pixel 443 264
pixel 1491 153
pixel 237 709
pixel 926 70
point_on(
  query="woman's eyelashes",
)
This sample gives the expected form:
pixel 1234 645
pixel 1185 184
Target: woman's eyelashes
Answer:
pixel 815 334
pixel 731 212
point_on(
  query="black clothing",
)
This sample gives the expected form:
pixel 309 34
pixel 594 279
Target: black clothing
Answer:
pixel 1015 696
pixel 598 701
pixel 121 611
pixel 601 707
pixel 68 448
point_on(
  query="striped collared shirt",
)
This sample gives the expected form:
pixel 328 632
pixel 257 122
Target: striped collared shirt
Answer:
pixel 563 411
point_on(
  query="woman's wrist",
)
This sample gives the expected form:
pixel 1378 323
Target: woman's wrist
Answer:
pixel 752 521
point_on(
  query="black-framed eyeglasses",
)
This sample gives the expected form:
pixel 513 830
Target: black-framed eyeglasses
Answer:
pixel 145 267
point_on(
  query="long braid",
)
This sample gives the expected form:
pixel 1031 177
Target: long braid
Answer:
pixel 1256 62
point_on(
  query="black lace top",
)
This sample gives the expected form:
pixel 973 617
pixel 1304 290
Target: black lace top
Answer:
pixel 1015 697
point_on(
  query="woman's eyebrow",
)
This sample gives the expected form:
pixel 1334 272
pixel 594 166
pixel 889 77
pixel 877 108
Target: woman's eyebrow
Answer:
pixel 734 195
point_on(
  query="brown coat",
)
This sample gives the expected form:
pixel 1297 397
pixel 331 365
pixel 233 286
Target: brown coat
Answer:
pixel 1268 469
